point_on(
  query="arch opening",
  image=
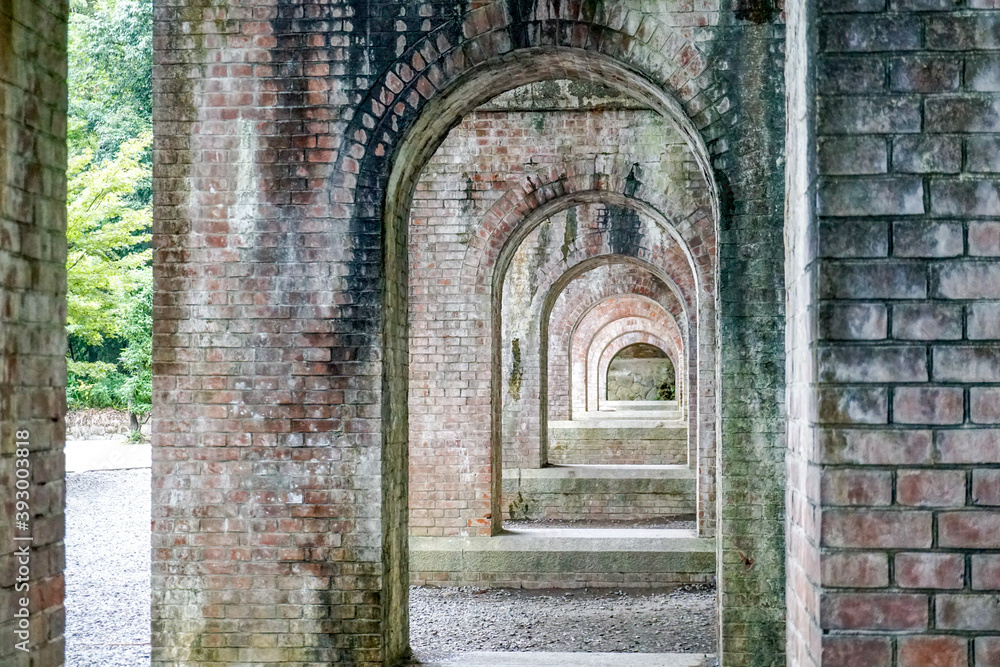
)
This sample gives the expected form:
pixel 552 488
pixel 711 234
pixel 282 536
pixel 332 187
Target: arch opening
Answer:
pixel 641 372
pixel 485 272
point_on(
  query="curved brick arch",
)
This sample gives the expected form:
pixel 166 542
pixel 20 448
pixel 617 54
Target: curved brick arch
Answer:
pixel 524 430
pixel 589 334
pixel 659 250
pixel 625 340
pixel 669 350
pixel 687 371
pixel 545 193
pixel 420 100
pixel 582 294
pixel 486 51
pixel 600 328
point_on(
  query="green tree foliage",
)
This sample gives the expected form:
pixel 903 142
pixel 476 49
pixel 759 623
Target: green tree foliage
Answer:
pixel 137 357
pixel 109 206
pixel 110 74
pixel 108 240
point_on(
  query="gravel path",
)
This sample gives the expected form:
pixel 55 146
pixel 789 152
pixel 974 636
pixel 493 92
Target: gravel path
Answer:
pixel 107 569
pixel 447 621
pixel 107 597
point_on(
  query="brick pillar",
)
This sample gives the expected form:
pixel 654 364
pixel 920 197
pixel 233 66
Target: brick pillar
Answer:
pixel 32 333
pixel 894 457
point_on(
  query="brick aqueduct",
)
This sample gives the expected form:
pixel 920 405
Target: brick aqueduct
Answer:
pixel 398 243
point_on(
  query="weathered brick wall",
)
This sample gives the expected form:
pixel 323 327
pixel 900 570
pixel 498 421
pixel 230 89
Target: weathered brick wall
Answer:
pixel 751 420
pixel 279 464
pixel 565 576
pixel 290 139
pixel 897 456
pixel 32 334
pixel 628 499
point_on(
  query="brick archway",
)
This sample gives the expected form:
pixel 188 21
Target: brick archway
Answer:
pixel 659 251
pixel 469 294
pixel 544 193
pixel 433 118
pixel 667 300
pixel 607 320
pixel 670 262
pixel 584 293
pixel 332 194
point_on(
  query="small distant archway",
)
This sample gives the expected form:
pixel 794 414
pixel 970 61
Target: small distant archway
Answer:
pixel 650 368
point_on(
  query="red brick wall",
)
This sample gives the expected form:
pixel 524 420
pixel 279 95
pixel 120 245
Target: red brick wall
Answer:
pixel 276 474
pixel 32 334
pixel 894 441
pixel 595 444
pixel 287 152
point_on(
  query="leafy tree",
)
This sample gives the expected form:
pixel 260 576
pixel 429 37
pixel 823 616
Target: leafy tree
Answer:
pixel 110 73
pixel 137 357
pixel 109 301
pixel 106 238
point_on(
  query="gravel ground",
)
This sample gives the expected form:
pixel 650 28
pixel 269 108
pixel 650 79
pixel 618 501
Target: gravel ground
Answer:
pixel 107 597
pixel 107 568
pixel 447 621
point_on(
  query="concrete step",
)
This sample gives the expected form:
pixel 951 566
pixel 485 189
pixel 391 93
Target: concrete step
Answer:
pixel 599 492
pixel 564 558
pixel 631 415
pixel 639 405
pixel 618 442
pixel 554 659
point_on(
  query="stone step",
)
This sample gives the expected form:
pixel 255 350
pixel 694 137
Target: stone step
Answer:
pixel 639 405
pixel 558 659
pixel 618 442
pixel 620 415
pixel 598 492
pixel 564 558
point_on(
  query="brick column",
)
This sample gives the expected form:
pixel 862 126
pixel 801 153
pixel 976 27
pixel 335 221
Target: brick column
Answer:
pixel 32 328
pixel 894 456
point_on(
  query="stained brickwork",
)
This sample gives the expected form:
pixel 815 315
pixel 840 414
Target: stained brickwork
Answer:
pixel 626 500
pixel 594 444
pixel 32 335
pixel 894 190
pixel 290 140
